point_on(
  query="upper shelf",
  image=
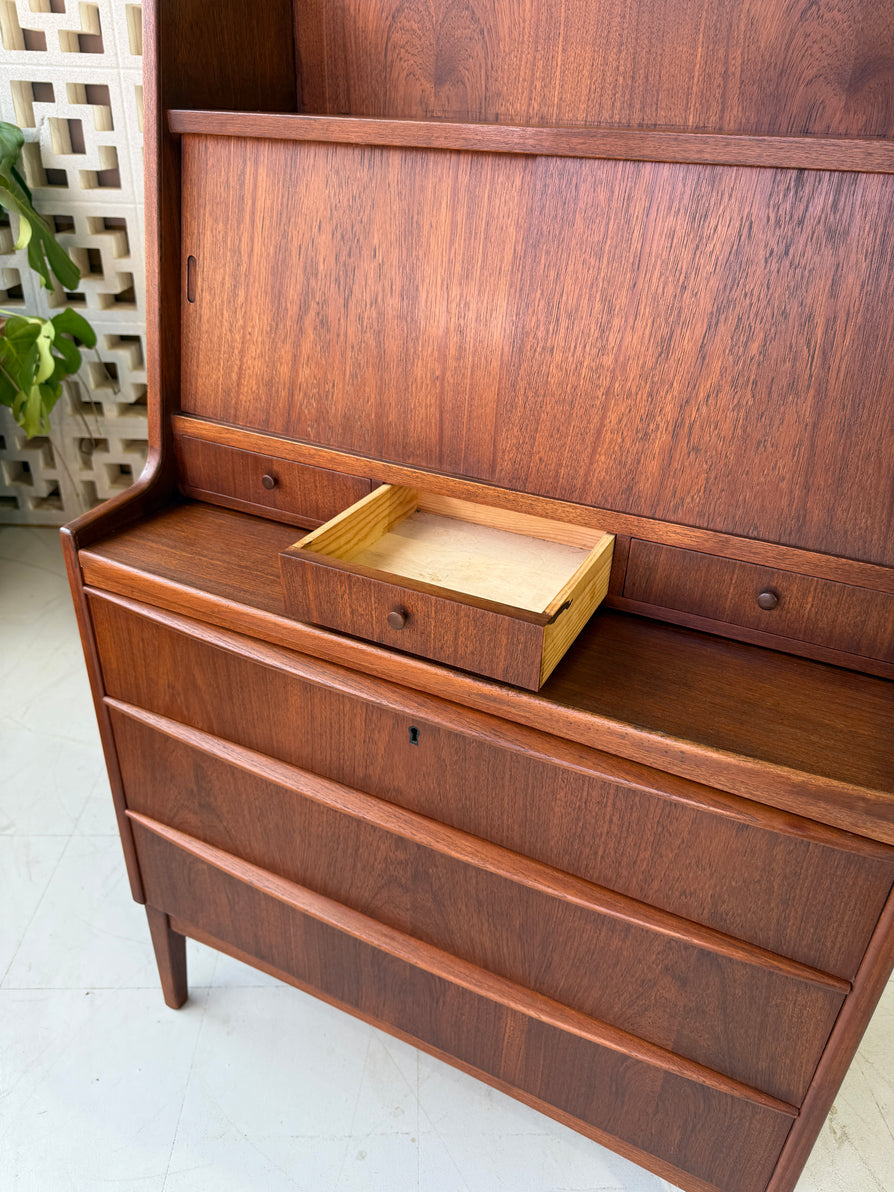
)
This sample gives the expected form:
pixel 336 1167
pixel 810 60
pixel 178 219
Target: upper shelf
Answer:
pixel 863 155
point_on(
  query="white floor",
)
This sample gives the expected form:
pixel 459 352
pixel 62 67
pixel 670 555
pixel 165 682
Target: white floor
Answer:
pixel 252 1086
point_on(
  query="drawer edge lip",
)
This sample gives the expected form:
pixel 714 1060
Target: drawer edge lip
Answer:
pixel 492 858
pixel 459 972
pixel 660 1167
pixel 769 784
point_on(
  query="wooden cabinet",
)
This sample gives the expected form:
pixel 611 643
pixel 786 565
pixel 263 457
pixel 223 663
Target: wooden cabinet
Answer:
pixel 632 866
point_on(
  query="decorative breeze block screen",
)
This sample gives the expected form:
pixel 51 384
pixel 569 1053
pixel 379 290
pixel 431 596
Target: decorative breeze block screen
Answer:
pixel 71 78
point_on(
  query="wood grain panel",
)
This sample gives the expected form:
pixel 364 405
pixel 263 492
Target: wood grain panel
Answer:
pixel 766 554
pixel 737 1015
pixel 837 615
pixel 226 56
pixel 701 855
pixel 293 492
pixel 754 67
pixel 717 712
pixel 462 634
pixel 676 1119
pixel 726 311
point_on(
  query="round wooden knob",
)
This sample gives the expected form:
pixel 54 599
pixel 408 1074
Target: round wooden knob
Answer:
pixel 397 618
pixel 768 599
pixel 268 481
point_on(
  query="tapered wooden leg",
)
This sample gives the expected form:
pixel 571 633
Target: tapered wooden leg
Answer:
pixel 170 956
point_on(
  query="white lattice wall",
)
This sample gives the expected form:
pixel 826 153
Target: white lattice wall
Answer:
pixel 70 77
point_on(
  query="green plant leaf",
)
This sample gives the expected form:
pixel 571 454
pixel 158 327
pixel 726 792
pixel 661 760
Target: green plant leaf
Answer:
pixel 22 329
pixel 71 323
pixel 36 354
pixel 44 344
pixel 11 141
pixel 50 392
pixel 37 262
pixel 8 388
pixel 17 177
pixel 24 236
pixel 32 413
pixel 15 196
pixel 62 265
pixel 71 358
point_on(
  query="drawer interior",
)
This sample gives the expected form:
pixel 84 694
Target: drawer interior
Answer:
pixel 502 594
pixel 473 550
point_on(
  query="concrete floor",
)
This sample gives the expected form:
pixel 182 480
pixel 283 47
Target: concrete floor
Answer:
pixel 252 1086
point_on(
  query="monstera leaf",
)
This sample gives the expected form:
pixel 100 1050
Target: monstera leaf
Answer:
pixel 36 355
pixel 35 234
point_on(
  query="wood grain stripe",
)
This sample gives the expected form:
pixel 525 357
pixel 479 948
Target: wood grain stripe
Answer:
pixel 798 153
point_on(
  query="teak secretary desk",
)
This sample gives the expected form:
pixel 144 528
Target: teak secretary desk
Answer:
pixel 610 284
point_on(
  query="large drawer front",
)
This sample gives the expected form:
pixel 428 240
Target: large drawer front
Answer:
pixel 726 1140
pixel 798 607
pixel 760 875
pixel 731 1008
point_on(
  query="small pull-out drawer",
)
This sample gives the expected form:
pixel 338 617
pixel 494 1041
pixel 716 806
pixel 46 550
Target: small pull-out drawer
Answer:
pixel 502 595
pixel 792 606
pixel 254 483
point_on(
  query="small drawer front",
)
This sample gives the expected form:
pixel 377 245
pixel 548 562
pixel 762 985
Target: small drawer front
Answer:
pixel 459 634
pixel 798 607
pixel 660 840
pixel 255 483
pixel 732 1011
pixel 653 1108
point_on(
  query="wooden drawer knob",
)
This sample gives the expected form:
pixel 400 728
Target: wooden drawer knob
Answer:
pixel 768 599
pixel 269 481
pixel 397 618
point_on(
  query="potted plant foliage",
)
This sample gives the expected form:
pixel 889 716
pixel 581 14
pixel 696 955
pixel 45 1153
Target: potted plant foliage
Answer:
pixel 36 354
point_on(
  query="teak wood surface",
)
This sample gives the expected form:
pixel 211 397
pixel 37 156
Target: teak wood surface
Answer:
pixel 489 1023
pixel 586 950
pixel 531 361
pixel 719 712
pixel 624 266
